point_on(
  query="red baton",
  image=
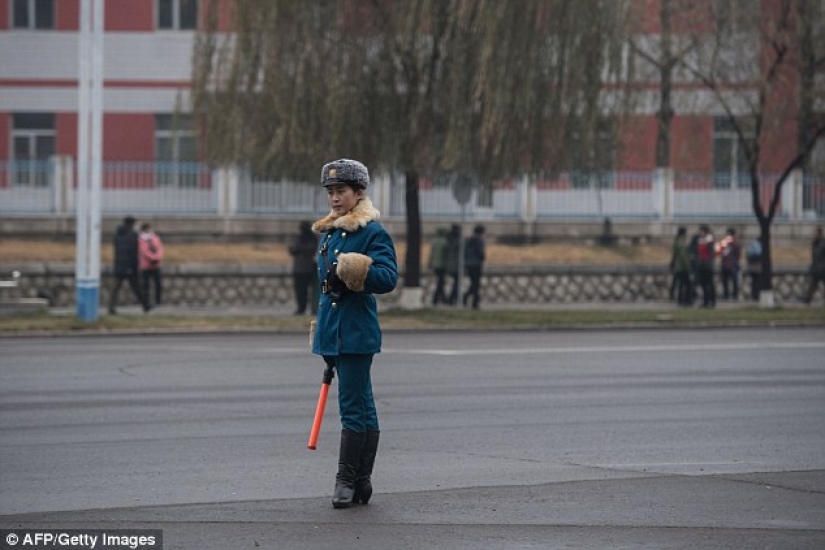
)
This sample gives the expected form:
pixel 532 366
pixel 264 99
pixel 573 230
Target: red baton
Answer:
pixel 329 373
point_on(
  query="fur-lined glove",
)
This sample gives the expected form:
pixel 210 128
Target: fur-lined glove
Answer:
pixel 352 269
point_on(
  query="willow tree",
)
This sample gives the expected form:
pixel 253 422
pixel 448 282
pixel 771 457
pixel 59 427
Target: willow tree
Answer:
pixel 286 89
pixel 524 77
pixel 297 83
pixel 491 89
pixel 413 86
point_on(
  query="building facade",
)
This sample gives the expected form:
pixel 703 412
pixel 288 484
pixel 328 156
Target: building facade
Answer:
pixel 150 141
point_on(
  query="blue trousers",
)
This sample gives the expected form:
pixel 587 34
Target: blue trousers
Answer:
pixel 356 404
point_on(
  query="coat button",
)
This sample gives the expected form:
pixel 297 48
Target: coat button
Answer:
pixel 334 304
pixel 343 233
pixel 335 251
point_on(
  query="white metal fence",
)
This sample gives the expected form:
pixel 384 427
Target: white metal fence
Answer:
pixel 43 187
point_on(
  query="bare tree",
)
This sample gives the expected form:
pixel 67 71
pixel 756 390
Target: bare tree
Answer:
pixel 749 62
pixel 664 56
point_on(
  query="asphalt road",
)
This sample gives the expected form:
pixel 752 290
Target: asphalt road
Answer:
pixel 513 440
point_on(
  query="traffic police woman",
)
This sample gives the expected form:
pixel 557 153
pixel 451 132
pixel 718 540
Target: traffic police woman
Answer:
pixel 356 259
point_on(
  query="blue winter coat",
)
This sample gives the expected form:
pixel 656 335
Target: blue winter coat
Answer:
pixel 349 324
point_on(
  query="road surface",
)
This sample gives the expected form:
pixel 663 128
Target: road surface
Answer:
pixel 500 439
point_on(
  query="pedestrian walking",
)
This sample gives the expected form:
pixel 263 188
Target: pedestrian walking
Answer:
pixel 817 269
pixel 680 265
pixel 672 266
pixel 753 256
pixel 150 256
pixel 451 257
pixel 437 263
pixel 474 256
pixel 705 254
pixel 304 277
pixel 730 254
pixel 356 260
pixel 126 264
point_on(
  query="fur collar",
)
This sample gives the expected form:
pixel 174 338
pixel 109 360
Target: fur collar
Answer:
pixel 363 213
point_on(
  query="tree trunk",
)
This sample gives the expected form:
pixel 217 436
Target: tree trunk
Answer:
pixel 766 278
pixel 412 277
pixel 665 114
pixel 807 79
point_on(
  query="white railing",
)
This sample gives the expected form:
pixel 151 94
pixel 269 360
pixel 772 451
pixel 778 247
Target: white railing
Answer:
pixel 606 195
pixel 26 186
pixel 157 187
pixel 43 187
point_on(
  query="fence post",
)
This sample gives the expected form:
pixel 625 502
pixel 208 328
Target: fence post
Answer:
pixel 381 192
pixel 226 190
pixel 662 192
pixel 527 190
pixel 62 184
pixel 792 196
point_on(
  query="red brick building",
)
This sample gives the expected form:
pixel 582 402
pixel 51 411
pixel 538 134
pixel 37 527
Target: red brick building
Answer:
pixel 148 49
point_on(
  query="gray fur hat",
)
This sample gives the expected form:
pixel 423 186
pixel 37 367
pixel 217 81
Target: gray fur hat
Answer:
pixel 346 171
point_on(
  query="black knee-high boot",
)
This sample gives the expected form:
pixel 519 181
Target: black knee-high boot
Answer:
pixel 363 481
pixel 349 459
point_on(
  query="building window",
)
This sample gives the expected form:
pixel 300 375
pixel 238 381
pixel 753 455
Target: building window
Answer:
pixel 730 162
pixel 33 142
pixel 32 14
pixel 177 14
pixel 176 151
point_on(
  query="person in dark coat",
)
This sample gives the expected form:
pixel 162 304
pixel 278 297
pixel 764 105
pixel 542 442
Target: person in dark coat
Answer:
pixel 302 251
pixel 753 255
pixel 126 264
pixel 438 252
pixel 474 256
pixel 680 265
pixel 817 270
pixel 356 260
pixel 451 253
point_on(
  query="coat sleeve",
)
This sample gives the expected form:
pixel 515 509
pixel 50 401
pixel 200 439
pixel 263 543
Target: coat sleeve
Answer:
pixel 159 246
pixel 382 276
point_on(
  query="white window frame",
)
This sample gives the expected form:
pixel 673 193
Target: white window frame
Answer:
pixel 31 9
pixel 172 175
pixel 176 16
pixel 735 178
pixel 29 172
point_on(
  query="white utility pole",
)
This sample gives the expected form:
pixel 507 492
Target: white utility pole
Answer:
pixel 89 159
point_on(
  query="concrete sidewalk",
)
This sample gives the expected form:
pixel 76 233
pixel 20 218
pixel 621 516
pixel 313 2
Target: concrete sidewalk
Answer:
pixel 779 511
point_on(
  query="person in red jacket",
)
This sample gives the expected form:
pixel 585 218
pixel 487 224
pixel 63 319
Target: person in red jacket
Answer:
pixel 150 255
pixel 705 255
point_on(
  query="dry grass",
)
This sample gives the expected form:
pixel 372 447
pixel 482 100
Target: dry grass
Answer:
pixel 498 254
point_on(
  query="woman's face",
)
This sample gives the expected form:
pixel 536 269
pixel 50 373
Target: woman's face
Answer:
pixel 343 198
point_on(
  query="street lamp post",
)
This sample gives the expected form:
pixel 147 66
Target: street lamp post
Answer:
pixel 89 159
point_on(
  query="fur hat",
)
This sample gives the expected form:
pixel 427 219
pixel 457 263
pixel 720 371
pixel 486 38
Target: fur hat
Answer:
pixel 346 171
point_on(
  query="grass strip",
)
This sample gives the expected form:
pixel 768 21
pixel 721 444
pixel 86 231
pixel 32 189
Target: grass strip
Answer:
pixel 425 319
